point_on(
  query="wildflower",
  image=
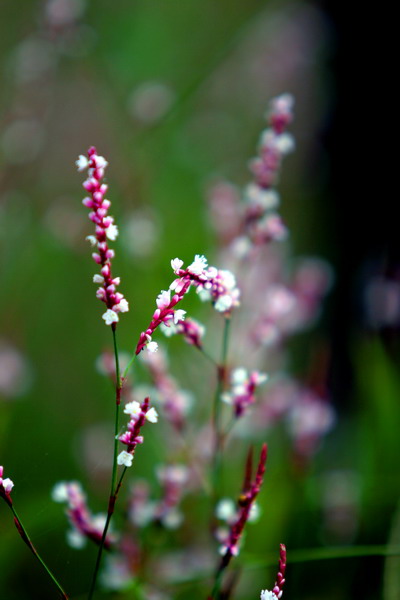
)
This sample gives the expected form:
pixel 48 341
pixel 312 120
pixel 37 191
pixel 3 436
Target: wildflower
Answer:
pixel 191 330
pixel 267 595
pixel 139 413
pixel 246 499
pixel 105 229
pixel 84 524
pixel 166 312
pixel 243 389
pixel 221 289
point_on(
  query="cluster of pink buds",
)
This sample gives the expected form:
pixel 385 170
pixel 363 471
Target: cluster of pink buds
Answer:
pixel 166 312
pixel 175 402
pixel 139 413
pixel 6 485
pixel 243 388
pixel 277 590
pixel 261 222
pixel 191 330
pixel 84 524
pixel 105 230
pixel 246 500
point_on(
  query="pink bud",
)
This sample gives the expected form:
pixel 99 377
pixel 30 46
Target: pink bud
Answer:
pixel 97 197
pixel 88 202
pixel 96 258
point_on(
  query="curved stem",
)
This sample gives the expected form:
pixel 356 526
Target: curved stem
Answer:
pixel 24 535
pixel 113 488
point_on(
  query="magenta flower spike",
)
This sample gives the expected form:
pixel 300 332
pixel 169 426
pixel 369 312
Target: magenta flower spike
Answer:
pixel 166 312
pixel 277 590
pixel 105 230
pixel 246 500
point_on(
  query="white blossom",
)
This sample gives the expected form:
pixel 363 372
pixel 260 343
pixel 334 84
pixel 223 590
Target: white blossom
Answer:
pixel 152 347
pixel 132 408
pixel 124 458
pixel 267 595
pixel 179 315
pixel 152 415
pixel 110 316
pixel 112 232
pixel 98 279
pixel 198 265
pixel 82 163
pixel 7 484
pixel 176 264
pixel 59 492
pixel 91 239
pixel 122 306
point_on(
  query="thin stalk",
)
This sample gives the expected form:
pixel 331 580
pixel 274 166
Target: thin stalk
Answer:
pixel 113 487
pixel 24 535
pixel 221 372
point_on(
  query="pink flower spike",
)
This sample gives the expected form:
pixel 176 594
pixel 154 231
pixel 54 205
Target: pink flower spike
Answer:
pixel 105 230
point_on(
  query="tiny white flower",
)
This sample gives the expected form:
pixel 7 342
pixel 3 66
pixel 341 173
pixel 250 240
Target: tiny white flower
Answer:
pixel 132 408
pixel 7 485
pixel 179 315
pixel 110 316
pixel 124 458
pixel 267 595
pixel 224 303
pixel 239 376
pixel 163 299
pixel 152 347
pixel 260 378
pixel 101 162
pixel 112 232
pixel 91 239
pixel 176 264
pixel 254 513
pixel 198 265
pixel 98 279
pixel 152 415
pixel 204 294
pixel 225 509
pixel 285 143
pixel 75 539
pixel 82 163
pixel 168 330
pixel 122 306
pixel 59 493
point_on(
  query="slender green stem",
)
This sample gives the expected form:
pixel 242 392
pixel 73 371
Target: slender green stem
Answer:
pixel 207 355
pixel 24 535
pixel 113 487
pixel 128 366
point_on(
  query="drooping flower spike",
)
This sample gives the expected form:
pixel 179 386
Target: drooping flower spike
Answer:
pixel 105 230
pixel 84 524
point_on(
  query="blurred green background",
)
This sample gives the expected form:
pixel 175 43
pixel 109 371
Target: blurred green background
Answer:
pixel 173 94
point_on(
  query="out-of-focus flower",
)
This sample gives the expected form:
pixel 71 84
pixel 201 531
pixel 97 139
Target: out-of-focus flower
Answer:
pixel 243 387
pixel 15 371
pixel 22 141
pixel 84 524
pixel 150 101
pixel 139 413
